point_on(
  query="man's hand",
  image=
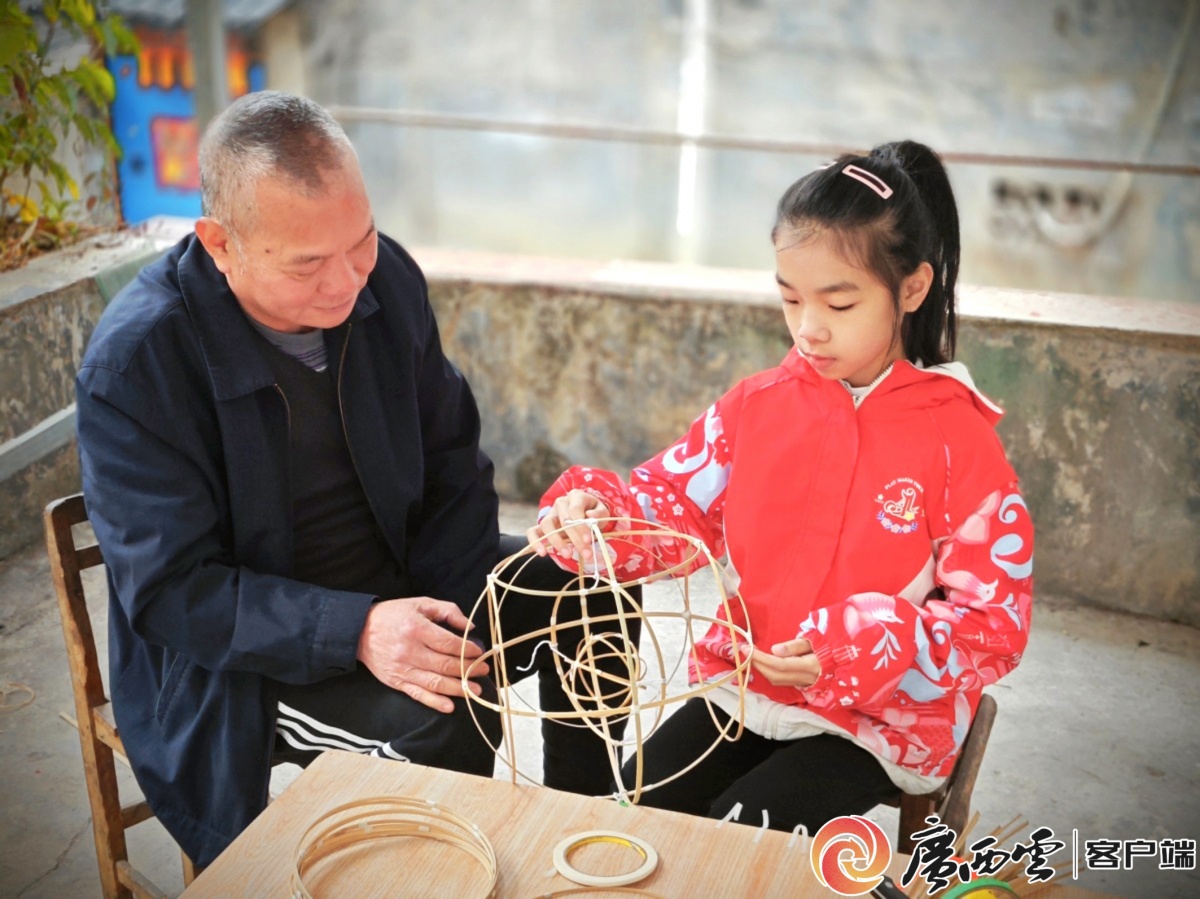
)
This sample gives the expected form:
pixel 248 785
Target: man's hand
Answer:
pixel 576 505
pixel 405 647
pixel 790 664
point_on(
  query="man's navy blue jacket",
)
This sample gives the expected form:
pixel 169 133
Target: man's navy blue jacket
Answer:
pixel 183 438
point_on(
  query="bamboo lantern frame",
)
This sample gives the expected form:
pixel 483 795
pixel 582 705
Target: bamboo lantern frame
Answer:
pixel 599 698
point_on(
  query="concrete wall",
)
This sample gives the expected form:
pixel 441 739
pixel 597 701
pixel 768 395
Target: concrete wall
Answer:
pixel 1073 78
pixel 606 364
pixel 1104 429
pixel 48 310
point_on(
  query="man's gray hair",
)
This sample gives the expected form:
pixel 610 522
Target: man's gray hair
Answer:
pixel 266 134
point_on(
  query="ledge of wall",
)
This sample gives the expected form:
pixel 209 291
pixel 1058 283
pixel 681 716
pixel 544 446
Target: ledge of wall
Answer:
pixel 607 363
pixel 48 310
pixel 571 364
pixel 655 280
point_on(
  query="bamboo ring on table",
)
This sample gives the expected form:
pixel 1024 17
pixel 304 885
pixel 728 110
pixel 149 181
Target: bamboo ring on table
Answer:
pixel 601 698
pixel 387 817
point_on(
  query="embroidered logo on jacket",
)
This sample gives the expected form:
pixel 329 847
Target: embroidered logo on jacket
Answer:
pixel 900 501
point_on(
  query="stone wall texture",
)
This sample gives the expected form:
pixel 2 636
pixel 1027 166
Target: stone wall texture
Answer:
pixel 1102 422
pixel 48 310
pixel 41 345
pixel 607 363
pixel 1104 430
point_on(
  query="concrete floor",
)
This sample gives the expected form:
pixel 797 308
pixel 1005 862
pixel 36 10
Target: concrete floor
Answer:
pixel 1097 731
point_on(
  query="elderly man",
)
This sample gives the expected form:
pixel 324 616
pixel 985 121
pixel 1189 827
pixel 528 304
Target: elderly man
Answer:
pixel 284 474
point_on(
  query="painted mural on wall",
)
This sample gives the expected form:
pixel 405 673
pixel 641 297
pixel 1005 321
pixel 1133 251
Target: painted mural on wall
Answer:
pixel 154 120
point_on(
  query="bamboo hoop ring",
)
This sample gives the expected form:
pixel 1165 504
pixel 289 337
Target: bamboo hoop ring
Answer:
pixel 386 817
pixel 562 859
pixel 599 698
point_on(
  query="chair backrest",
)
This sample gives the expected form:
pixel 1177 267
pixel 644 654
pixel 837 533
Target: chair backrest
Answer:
pixel 98 735
pixel 67 562
pixel 956 806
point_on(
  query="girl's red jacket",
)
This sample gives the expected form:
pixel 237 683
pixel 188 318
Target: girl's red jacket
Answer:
pixel 891 536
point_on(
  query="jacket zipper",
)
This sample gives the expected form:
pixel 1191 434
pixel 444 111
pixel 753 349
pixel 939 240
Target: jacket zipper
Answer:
pixel 342 416
pixel 286 408
pixel 265 796
pixel 770 721
pixel 287 411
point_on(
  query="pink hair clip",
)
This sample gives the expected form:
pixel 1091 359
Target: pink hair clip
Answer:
pixel 870 179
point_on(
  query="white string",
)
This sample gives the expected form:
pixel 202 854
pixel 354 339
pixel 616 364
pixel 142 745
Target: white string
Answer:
pixel 597 545
pixel 654 683
pixel 595 567
pixel 766 823
pixel 553 648
pixel 797 831
pixel 621 795
pixel 732 814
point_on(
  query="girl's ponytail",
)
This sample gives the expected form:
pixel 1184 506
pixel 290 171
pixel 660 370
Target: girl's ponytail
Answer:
pixel 933 328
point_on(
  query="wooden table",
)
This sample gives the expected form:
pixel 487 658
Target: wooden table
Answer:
pixel 697 856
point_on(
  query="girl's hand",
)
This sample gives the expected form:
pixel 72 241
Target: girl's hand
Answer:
pixel 790 664
pixel 577 505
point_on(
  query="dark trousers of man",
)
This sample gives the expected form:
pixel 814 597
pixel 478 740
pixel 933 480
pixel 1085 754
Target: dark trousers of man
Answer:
pixel 783 782
pixel 357 713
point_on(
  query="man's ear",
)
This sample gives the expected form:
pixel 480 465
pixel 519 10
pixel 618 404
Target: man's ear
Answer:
pixel 915 287
pixel 217 240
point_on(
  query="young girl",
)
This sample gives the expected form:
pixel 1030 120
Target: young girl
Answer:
pixel 872 522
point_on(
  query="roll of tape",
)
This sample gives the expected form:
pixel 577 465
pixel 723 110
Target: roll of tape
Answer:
pixel 563 850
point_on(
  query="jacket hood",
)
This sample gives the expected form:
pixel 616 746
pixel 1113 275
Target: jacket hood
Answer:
pixel 954 375
pixel 909 385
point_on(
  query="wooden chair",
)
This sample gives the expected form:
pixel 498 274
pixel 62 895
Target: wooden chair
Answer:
pixel 952 801
pixel 97 729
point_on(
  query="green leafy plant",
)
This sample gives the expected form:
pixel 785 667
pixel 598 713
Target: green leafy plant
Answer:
pixel 42 105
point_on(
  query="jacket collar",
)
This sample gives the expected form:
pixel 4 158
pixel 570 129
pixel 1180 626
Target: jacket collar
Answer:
pixel 232 350
pixel 938 383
